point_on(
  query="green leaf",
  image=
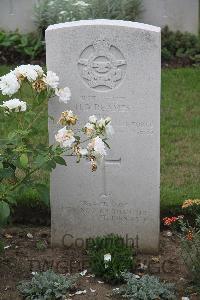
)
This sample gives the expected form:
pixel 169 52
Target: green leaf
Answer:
pixel 49 165
pixel 43 193
pixel 41 97
pixel 29 116
pixel 3 141
pixel 24 160
pixel 59 160
pixel 6 173
pixel 40 160
pixel 4 211
pixel 24 40
pixel 12 199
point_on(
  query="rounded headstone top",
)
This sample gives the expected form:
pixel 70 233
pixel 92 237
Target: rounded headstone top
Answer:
pixel 102 22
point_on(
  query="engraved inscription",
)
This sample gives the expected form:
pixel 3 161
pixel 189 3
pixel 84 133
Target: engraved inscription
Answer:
pixel 102 66
pixel 106 98
pixel 138 127
pixel 113 211
pixel 98 108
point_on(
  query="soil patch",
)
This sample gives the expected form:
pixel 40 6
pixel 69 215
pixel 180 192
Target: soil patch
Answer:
pixel 23 255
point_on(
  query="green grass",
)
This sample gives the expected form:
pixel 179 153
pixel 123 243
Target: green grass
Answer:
pixel 180 136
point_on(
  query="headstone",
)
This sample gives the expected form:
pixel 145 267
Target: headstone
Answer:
pixel 180 15
pixel 112 69
pixel 18 15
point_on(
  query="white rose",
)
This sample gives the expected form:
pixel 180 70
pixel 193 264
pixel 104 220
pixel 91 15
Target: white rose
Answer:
pixel 107 257
pixel 109 130
pixel 101 123
pixel 51 79
pixel 14 105
pixel 27 71
pixel 83 152
pixel 99 146
pixel 38 69
pixel 89 126
pixel 70 113
pixel 108 120
pixel 92 119
pixel 65 137
pixel 9 84
pixel 63 94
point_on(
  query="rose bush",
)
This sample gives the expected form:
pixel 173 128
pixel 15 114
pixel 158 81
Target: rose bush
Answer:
pixel 20 156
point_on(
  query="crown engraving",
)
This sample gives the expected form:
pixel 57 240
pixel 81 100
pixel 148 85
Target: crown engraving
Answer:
pixel 99 66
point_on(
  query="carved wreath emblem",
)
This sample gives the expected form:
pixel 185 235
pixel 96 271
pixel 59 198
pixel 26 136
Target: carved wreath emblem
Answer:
pixel 102 65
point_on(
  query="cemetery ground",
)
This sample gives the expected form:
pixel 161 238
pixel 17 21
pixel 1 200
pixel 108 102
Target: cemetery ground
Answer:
pixel 30 251
pixel 180 159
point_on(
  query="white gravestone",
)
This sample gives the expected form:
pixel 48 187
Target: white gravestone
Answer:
pixel 17 15
pixel 180 15
pixel 112 69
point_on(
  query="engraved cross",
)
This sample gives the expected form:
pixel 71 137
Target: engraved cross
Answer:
pixel 105 164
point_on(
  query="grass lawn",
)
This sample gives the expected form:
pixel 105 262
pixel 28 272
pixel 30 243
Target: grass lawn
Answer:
pixel 180 135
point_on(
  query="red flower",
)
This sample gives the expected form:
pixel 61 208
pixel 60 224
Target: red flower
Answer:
pixel 168 221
